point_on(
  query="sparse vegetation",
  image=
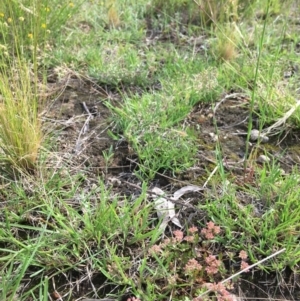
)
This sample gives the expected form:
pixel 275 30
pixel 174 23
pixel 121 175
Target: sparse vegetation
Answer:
pixel 103 101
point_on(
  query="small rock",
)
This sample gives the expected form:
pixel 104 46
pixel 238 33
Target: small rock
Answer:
pixel 214 137
pixel 282 172
pixel 256 135
pixel 263 159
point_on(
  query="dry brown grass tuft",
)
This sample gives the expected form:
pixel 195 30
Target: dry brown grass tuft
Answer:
pixel 20 130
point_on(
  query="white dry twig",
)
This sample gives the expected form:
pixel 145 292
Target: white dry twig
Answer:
pixel 84 129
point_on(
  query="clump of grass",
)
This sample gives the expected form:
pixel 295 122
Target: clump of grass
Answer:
pixel 151 122
pixel 119 64
pixel 213 12
pixel 149 125
pixel 226 42
pixel 20 130
pixel 24 29
pixel 113 15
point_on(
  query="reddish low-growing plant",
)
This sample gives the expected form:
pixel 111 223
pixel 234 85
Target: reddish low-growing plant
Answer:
pixel 198 267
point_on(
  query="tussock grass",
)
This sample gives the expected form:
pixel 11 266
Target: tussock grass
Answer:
pixel 25 28
pixel 20 131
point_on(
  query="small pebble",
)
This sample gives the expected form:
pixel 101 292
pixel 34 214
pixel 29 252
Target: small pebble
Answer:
pixel 263 159
pixel 256 135
pixel 282 172
pixel 214 137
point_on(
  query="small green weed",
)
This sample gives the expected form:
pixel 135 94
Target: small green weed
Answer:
pixel 107 156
